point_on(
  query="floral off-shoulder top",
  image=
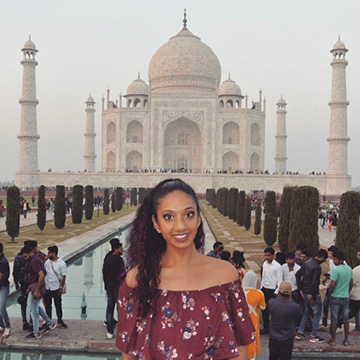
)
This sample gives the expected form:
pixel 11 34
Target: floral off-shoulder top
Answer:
pixel 196 324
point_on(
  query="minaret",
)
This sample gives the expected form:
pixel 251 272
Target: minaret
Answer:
pixel 338 139
pixel 28 152
pixel 89 154
pixel 280 159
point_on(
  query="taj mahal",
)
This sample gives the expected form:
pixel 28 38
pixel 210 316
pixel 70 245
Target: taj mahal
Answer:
pixel 184 122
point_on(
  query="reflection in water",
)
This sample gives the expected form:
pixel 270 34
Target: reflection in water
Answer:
pixel 89 270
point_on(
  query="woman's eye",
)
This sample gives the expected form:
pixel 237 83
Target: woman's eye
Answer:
pixel 190 214
pixel 167 217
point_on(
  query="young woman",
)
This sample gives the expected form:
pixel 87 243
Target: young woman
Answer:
pixel 256 301
pixel 177 303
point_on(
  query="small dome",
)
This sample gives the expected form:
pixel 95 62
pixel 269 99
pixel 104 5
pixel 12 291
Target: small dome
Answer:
pixel 29 45
pixel 339 45
pixel 229 87
pixel 138 87
pixel 281 101
pixel 90 99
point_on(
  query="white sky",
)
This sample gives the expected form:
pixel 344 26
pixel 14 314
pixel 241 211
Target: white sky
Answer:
pixel 280 46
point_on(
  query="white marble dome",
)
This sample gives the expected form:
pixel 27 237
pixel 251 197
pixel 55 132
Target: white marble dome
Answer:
pixel 138 87
pixel 339 45
pixel 281 101
pixel 184 62
pixel 29 45
pixel 229 87
pixel 90 100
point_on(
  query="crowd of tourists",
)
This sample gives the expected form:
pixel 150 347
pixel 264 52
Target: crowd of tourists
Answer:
pixel 39 278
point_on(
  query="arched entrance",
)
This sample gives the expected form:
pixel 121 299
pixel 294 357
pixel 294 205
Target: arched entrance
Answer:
pixel 230 162
pixel 183 146
pixel 254 162
pixel 134 161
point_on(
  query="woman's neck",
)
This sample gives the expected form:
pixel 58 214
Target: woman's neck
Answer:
pixel 173 258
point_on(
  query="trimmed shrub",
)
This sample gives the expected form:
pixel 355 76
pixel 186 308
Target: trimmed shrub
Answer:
pixel 257 225
pixel 118 198
pixel 247 213
pixel 270 225
pixel 89 202
pixel 234 192
pixel 212 197
pixel 113 205
pixel 240 207
pixel 41 214
pixel 106 206
pixel 60 207
pixel 218 200
pixel 304 219
pixel 347 232
pixel 133 199
pixel 225 200
pixel 285 210
pixel 77 205
pixel 13 212
pixel 142 194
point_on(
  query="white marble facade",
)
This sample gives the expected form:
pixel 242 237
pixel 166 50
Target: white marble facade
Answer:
pixel 184 119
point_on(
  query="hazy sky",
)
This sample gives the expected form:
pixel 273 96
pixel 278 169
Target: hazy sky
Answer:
pixel 280 46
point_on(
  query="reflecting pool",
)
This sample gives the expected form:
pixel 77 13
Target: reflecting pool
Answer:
pixel 84 286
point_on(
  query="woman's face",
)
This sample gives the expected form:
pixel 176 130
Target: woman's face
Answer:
pixel 177 219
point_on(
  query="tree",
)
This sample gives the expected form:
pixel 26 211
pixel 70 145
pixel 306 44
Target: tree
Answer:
pixel 247 213
pixel 106 207
pixel 77 205
pixel 133 199
pixel 225 199
pixel 89 202
pixel 113 205
pixel 234 192
pixel 284 227
pixel 212 197
pixel 13 212
pixel 240 206
pixel 304 219
pixel 218 199
pixel 270 225
pixel 60 207
pixel 347 232
pixel 142 194
pixel 257 225
pixel 41 214
pixel 118 198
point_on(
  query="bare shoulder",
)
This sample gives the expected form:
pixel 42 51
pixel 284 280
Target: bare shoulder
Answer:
pixel 131 277
pixel 221 271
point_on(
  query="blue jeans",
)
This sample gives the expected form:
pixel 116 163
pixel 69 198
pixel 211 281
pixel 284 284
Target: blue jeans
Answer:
pixel 112 295
pixel 316 310
pixel 36 310
pixel 339 307
pixel 4 318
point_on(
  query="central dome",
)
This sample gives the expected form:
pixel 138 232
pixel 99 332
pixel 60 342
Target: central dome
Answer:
pixel 184 64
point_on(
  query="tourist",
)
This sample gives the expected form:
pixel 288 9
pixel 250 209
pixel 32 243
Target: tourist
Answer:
pixel 271 277
pixel 334 224
pixel 256 302
pixel 339 292
pixel 289 271
pixel 298 250
pixel 304 256
pixel 5 327
pixel 225 255
pixel 239 266
pixel 35 292
pixel 25 208
pixel 21 281
pixel 34 245
pixel 284 316
pixel 168 311
pixel 55 270
pixel 218 248
pixel 308 281
pixel 355 297
pixel 113 274
pixel 280 257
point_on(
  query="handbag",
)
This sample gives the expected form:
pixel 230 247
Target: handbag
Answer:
pixel 63 289
pixel 32 288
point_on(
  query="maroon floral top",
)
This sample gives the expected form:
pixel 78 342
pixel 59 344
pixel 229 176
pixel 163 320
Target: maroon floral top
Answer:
pixel 195 324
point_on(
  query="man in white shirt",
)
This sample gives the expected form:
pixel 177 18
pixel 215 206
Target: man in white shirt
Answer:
pixel 289 270
pixel 55 279
pixel 355 297
pixel 271 277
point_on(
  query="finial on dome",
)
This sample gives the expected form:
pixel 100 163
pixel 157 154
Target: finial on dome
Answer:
pixel 229 74
pixel 185 21
pixel 30 37
pixel 339 37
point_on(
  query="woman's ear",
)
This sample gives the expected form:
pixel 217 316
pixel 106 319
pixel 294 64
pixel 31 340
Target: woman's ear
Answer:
pixel 156 225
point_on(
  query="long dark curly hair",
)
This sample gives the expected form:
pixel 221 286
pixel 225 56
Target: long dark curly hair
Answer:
pixel 146 245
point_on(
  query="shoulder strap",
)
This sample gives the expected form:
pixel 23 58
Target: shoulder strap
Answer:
pixel 57 275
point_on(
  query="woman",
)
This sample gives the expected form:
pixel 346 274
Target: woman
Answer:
pixel 256 301
pixel 177 303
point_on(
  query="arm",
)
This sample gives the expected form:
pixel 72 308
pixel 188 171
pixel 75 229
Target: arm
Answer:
pixel 243 354
pixel 1 278
pixel 279 276
pixel 315 282
pixel 332 287
pixel 37 294
pixel 62 283
pixel 16 273
pixel 351 285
